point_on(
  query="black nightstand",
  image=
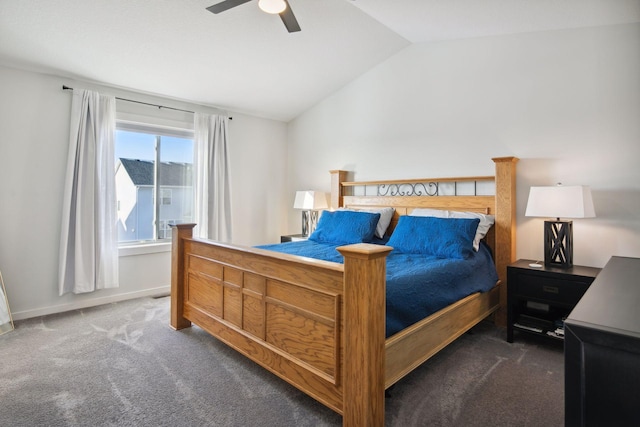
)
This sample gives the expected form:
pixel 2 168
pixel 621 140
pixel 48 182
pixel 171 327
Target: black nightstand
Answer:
pixel 540 298
pixel 293 238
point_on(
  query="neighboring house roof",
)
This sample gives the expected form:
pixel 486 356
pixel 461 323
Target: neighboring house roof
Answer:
pixel 171 173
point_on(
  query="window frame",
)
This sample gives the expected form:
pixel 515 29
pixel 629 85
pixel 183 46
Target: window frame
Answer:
pixel 157 243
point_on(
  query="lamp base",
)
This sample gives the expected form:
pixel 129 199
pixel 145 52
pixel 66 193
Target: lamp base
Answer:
pixel 305 223
pixel 558 244
pixel 313 221
pixel 309 222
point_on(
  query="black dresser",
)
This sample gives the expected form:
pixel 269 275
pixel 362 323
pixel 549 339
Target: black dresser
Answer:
pixel 602 350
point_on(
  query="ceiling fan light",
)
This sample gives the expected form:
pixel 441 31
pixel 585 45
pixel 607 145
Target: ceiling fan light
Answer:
pixel 272 6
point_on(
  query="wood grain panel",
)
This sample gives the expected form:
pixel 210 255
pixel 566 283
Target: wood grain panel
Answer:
pixel 253 308
pixel 205 266
pixel 254 282
pixel 232 295
pixel 205 293
pixel 318 303
pixel 232 304
pixel 463 203
pixel 306 339
pixel 233 276
pixel 253 316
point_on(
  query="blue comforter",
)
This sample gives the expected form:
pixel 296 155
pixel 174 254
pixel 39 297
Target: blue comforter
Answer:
pixel 417 285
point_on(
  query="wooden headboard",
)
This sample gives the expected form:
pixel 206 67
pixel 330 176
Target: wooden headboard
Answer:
pixel 494 195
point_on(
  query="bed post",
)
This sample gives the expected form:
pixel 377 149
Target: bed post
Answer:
pixel 179 233
pixel 505 226
pixel 364 342
pixel 337 178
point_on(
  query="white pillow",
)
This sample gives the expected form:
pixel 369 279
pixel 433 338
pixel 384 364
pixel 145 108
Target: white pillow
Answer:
pixel 386 214
pixel 486 221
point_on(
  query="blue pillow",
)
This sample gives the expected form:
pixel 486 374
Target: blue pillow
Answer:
pixel 345 227
pixel 440 237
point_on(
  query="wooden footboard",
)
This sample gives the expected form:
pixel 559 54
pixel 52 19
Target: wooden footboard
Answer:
pixel 290 314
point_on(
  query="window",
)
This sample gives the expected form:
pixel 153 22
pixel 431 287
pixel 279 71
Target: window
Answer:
pixel 154 180
pixel 165 196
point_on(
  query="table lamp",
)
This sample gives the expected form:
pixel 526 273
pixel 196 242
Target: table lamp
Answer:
pixel 559 201
pixel 310 202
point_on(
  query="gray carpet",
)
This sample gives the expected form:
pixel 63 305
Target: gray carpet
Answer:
pixel 121 365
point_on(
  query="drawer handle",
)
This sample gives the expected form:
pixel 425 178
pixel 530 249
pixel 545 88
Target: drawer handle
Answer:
pixel 550 289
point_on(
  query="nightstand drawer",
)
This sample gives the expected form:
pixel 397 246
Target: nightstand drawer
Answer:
pixel 550 289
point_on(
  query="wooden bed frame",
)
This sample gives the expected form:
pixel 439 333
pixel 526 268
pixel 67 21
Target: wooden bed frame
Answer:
pixel 321 326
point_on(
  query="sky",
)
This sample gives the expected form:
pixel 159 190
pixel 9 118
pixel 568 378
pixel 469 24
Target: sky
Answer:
pixel 135 145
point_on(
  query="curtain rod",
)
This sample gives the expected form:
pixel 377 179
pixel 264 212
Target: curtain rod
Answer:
pixel 64 87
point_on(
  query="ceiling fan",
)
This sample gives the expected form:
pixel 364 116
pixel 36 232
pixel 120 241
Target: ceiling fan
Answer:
pixel 280 7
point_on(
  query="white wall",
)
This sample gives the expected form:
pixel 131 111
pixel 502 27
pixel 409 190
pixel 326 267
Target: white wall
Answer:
pixel 567 103
pixel 34 129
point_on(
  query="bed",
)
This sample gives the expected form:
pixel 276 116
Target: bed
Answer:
pixel 320 325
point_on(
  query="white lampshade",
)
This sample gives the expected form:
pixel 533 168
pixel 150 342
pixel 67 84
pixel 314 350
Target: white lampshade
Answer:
pixel 310 200
pixel 560 201
pixel 272 6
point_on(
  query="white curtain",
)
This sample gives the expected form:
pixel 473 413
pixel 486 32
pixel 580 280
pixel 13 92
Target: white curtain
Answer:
pixel 89 239
pixel 211 165
pixel 5 317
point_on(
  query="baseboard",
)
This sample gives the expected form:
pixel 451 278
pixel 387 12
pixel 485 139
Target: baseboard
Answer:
pixel 28 314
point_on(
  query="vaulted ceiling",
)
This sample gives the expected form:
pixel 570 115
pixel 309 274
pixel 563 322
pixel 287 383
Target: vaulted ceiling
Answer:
pixel 243 59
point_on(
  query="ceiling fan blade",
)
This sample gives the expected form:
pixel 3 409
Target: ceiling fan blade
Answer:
pixel 226 5
pixel 289 19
